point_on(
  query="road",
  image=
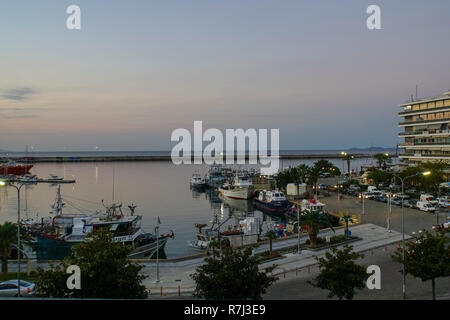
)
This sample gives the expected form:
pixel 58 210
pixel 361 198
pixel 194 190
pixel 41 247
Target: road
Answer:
pixel 296 286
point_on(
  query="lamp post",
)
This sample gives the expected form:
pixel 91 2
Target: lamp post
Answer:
pixel 298 230
pixel 362 198
pixel 388 220
pixel 2 183
pixel 403 224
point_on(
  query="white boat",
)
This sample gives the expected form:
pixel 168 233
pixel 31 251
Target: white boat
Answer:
pixel 241 188
pixel 234 192
pixel 28 178
pixel 197 181
pixel 204 237
pixel 54 178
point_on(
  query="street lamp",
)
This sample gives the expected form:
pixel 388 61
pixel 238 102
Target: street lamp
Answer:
pixel 362 196
pixel 388 220
pixel 426 173
pixel 3 183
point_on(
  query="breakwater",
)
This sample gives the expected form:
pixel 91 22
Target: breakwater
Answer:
pixel 111 158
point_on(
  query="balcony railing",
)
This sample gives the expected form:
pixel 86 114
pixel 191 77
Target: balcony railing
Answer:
pixel 424 121
pixel 418 155
pixel 409 133
pixel 424 110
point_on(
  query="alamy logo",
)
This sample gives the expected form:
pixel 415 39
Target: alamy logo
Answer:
pixel 74 20
pixel 374 280
pixel 74 280
pixel 374 20
pixel 213 153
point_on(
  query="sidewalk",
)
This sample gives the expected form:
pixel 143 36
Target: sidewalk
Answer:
pixel 175 276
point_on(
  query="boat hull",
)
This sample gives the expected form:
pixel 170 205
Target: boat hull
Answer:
pixel 241 194
pixel 18 170
pixel 278 207
pixel 55 249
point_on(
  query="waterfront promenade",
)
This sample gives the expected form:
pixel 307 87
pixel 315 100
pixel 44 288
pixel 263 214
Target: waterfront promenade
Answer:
pixel 175 276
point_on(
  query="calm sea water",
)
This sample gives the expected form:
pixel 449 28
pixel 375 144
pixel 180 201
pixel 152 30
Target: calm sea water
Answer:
pixel 157 188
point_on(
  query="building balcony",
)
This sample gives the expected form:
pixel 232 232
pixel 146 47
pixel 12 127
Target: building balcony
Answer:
pixel 419 156
pixel 423 111
pixel 424 133
pixel 426 145
pixel 423 122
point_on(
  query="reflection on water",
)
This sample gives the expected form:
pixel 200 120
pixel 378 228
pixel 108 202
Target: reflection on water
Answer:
pixel 157 188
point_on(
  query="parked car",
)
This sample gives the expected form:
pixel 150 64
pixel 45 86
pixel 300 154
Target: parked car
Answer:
pixel 443 203
pixel 9 288
pixel 425 206
pixel 413 204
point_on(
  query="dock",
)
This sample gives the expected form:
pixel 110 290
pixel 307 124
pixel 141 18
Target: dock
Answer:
pixel 39 181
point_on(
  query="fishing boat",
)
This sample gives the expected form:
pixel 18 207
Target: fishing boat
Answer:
pixel 197 181
pixel 205 235
pixel 246 232
pixel 54 238
pixel 12 168
pixel 272 202
pixel 215 176
pixel 241 188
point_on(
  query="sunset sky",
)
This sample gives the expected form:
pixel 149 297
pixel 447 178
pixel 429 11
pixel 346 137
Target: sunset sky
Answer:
pixel 137 70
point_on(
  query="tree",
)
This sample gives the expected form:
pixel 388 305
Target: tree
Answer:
pixel 314 219
pixel 427 256
pixel 379 177
pixel 325 166
pixel 313 176
pixel 271 236
pixel 339 274
pixel 382 160
pixel 106 272
pixel 231 274
pixel 8 236
pixel 348 158
pixel 347 219
pixel 303 172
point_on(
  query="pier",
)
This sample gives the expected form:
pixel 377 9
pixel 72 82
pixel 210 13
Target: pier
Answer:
pixel 124 158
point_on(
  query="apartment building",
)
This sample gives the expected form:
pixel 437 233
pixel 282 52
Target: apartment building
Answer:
pixel 426 130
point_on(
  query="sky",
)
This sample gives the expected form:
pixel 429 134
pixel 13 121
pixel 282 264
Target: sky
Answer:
pixel 137 70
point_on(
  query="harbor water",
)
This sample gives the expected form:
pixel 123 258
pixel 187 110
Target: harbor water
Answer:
pixel 157 188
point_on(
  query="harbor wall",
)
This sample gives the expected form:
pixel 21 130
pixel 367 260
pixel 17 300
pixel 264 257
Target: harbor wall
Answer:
pixel 110 158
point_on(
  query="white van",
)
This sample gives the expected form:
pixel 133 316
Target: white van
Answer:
pixel 443 202
pixel 429 198
pixel 425 206
pixel 372 188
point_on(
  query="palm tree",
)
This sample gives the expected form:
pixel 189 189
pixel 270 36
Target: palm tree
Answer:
pixel 313 176
pixel 271 236
pixel 303 172
pixel 314 219
pixel 8 234
pixel 347 219
pixel 382 159
pixel 347 157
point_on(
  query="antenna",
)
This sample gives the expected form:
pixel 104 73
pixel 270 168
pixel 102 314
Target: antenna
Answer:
pixel 417 89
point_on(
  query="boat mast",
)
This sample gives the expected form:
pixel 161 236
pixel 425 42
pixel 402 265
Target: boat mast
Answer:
pixel 59 204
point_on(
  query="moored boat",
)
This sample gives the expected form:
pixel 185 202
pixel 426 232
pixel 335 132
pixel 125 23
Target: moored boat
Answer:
pixel 12 168
pixel 54 238
pixel 272 202
pixel 197 181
